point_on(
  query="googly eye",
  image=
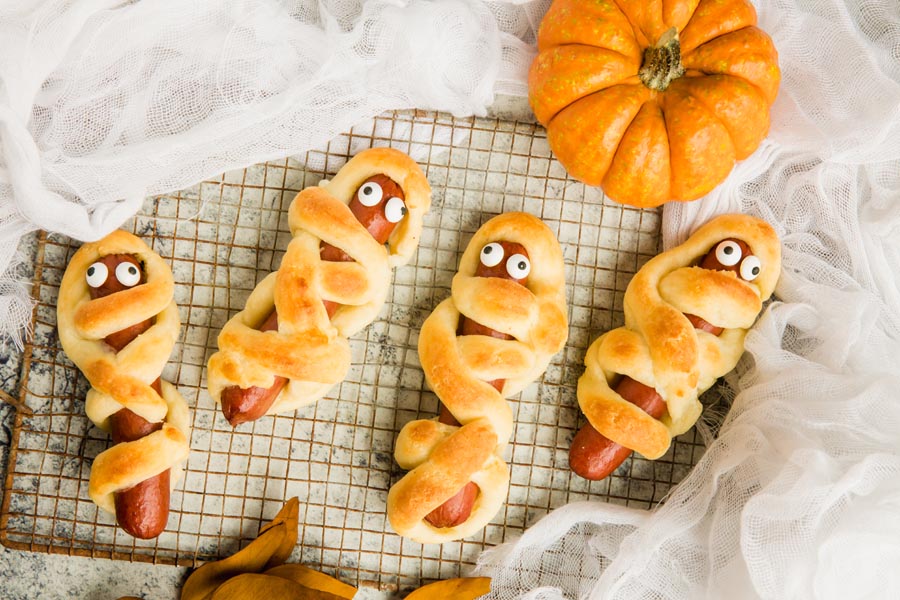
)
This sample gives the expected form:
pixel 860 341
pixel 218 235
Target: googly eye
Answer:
pixel 128 274
pixel 750 268
pixel 518 266
pixel 728 253
pixel 370 194
pixel 394 209
pixel 97 274
pixel 491 254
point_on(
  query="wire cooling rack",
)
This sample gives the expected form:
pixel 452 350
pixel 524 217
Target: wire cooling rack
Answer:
pixel 221 237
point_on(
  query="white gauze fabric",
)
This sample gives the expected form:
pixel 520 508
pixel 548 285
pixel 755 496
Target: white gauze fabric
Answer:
pixel 799 494
pixel 104 102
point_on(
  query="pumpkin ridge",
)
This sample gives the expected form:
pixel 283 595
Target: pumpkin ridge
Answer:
pixel 687 57
pixel 600 91
pixel 662 112
pixel 642 39
pixel 624 129
pixel 703 102
pixel 711 112
pixel 604 26
pixel 642 201
pixel 622 54
pixel 625 78
pixel 630 80
pixel 693 195
pixel 622 137
pixel 692 24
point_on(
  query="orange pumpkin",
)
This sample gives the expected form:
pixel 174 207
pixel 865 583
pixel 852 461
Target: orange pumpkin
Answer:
pixel 653 100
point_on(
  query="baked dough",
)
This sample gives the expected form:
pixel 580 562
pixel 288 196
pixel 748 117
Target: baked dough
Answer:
pixel 659 347
pixel 309 349
pixel 123 379
pixel 443 458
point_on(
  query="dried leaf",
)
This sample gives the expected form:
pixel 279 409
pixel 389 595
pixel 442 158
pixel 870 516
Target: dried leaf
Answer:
pixel 466 588
pixel 313 580
pixel 253 586
pixel 273 546
pixel 289 515
pixel 252 559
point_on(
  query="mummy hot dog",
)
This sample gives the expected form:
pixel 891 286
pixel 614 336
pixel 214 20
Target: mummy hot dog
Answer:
pixel 686 314
pixel 289 345
pixel 505 319
pixel 504 260
pixel 118 323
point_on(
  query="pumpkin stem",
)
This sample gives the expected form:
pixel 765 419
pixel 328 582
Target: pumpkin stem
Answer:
pixel 662 62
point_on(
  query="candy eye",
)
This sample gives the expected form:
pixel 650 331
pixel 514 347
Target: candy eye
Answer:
pixel 491 254
pixel 518 266
pixel 750 268
pixel 128 274
pixel 370 194
pixel 394 209
pixel 728 253
pixel 96 274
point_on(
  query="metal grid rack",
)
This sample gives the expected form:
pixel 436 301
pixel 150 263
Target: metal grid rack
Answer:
pixel 221 237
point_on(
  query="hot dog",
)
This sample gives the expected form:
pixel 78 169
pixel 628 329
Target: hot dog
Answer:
pixel 375 206
pixel 458 508
pixel 142 510
pixel 462 361
pixel 592 455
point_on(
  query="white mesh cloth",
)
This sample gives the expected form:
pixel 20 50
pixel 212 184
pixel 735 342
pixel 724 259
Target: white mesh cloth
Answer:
pixel 799 494
pixel 103 102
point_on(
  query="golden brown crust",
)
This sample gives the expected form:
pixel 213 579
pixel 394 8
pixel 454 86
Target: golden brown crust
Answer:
pixel 444 458
pixel 308 349
pixel 451 464
pixel 123 379
pixel 660 348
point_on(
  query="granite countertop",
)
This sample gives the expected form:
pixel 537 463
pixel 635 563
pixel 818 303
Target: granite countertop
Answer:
pixel 38 575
